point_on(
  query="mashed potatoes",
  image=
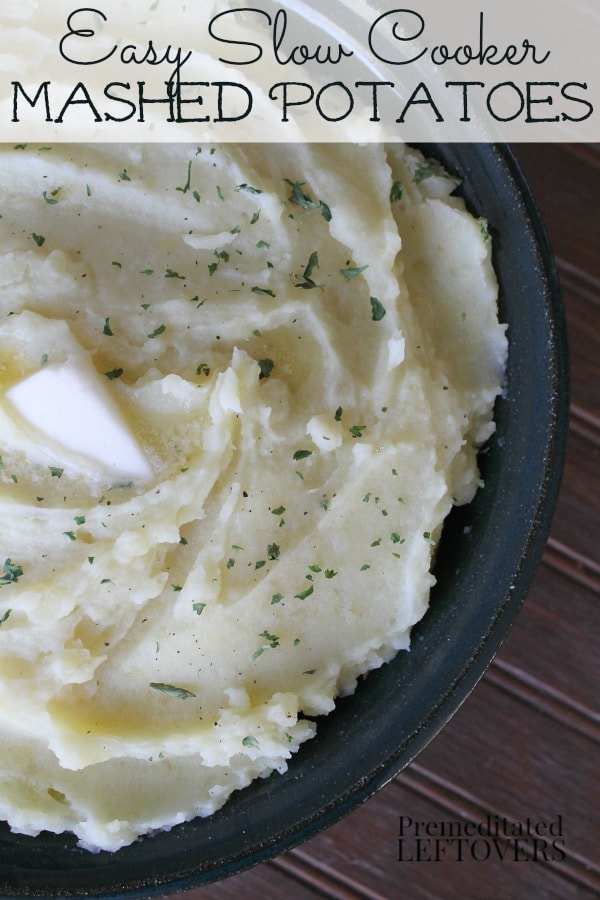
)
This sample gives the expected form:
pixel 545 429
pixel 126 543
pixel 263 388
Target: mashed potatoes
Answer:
pixel 240 389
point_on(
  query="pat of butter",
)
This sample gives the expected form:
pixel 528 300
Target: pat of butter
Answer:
pixel 70 405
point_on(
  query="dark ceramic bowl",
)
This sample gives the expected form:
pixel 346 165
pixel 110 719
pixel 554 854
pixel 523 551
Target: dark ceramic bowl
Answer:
pixel 483 576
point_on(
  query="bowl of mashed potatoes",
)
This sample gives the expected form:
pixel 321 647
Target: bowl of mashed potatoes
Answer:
pixel 281 431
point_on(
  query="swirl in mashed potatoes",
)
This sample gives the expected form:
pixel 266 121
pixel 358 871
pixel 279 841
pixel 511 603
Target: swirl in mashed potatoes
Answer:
pixel 240 389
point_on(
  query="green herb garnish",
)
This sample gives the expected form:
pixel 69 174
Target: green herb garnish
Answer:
pixel 266 367
pixel 357 430
pixel 352 272
pixel 271 641
pixel 266 291
pixel 378 310
pixel 422 172
pixel 300 198
pixel 11 573
pixel 396 191
pixel 305 279
pixel 248 188
pixel 179 692
pixel 186 186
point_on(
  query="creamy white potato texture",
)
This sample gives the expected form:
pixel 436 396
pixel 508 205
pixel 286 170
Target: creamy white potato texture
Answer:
pixel 240 389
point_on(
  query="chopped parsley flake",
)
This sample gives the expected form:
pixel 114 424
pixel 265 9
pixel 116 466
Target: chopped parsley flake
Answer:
pixel 5 617
pixel 266 291
pixel 271 641
pixel 304 594
pixel 279 511
pixel 378 310
pixel 124 176
pixel 107 330
pixel 422 172
pixel 186 186
pixel 266 367
pixel 352 272
pixel 276 598
pixel 38 238
pixel 300 198
pixel 51 200
pixel 55 471
pixel 114 373
pixel 305 280
pixel 179 692
pixel 357 430
pixel 396 191
pixel 302 454
pixel 198 608
pixel 160 330
pixel 11 573
pixel 248 188
pixel 250 741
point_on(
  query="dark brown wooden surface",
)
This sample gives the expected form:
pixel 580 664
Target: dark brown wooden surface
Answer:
pixel 525 743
